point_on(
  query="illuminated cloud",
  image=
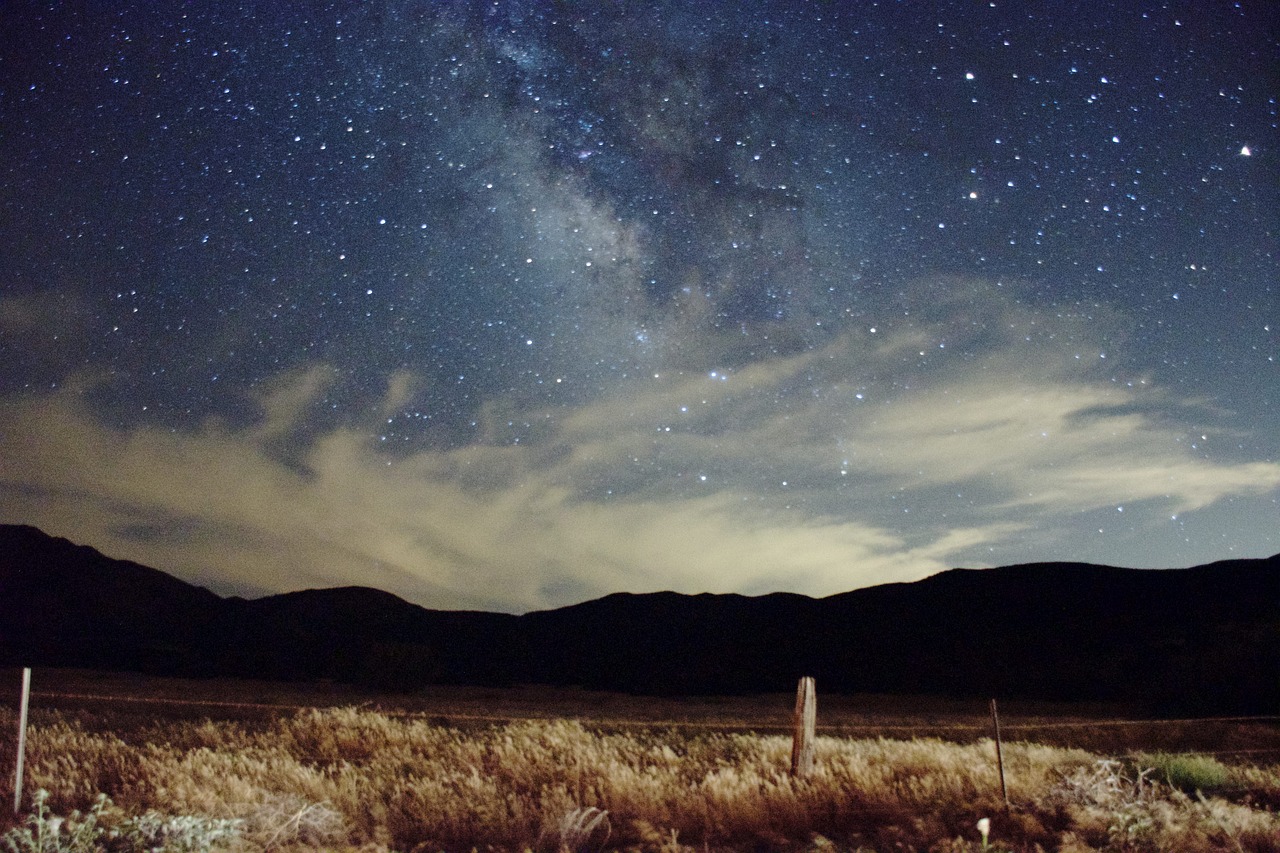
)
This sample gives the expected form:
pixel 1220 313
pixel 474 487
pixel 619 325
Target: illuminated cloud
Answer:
pixel 805 472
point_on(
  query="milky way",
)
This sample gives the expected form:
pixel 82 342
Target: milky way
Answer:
pixel 510 305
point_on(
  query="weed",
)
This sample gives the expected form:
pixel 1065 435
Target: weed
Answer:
pixel 1187 772
pixel 1106 785
pixel 1121 810
pixel 578 825
pixel 158 833
pixel 103 829
pixel 284 820
pixel 45 832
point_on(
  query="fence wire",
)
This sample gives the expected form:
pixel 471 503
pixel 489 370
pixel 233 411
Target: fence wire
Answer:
pixel 747 725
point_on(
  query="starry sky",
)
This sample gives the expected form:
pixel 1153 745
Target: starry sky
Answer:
pixel 514 304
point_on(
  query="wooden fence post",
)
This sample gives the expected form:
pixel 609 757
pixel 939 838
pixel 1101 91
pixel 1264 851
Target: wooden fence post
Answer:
pixel 995 720
pixel 22 740
pixel 806 721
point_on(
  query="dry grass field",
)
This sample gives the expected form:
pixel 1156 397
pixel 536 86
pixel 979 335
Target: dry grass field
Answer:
pixel 324 767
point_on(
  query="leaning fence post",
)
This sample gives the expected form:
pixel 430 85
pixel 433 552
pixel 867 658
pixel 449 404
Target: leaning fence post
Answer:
pixel 806 721
pixel 995 720
pixel 22 739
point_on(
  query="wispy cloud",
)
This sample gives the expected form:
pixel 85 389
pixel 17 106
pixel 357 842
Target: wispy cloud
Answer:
pixel 809 472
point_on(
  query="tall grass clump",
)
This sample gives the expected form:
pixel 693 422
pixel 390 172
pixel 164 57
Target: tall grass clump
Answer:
pixel 1188 773
pixel 345 778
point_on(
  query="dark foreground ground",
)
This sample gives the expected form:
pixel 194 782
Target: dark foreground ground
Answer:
pixel 124 701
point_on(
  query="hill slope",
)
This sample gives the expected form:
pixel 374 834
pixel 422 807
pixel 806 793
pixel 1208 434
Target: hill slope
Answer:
pixel 1205 638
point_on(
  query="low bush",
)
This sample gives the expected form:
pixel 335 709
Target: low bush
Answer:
pixel 103 828
pixel 1187 772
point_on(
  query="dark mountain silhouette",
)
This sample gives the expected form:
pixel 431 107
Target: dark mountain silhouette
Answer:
pixel 65 604
pixel 1175 640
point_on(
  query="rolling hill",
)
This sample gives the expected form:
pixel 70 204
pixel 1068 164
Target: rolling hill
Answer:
pixel 1197 639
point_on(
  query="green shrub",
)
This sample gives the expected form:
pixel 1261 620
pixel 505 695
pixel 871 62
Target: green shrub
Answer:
pixel 1187 772
pixel 44 832
pixel 103 829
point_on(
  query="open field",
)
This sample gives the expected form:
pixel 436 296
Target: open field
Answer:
pixel 458 768
pixel 138 701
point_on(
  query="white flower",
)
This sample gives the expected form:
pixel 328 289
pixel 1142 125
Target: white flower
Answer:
pixel 984 827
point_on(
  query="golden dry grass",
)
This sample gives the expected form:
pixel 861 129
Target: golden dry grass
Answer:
pixel 345 778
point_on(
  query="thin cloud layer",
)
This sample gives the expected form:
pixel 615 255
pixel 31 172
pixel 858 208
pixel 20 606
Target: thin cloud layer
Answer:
pixel 809 472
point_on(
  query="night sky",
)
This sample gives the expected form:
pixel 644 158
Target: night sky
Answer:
pixel 508 305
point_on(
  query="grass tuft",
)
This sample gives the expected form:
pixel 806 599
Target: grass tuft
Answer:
pixel 1188 773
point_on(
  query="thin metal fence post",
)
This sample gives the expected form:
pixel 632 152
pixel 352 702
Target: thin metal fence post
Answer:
pixel 22 739
pixel 995 719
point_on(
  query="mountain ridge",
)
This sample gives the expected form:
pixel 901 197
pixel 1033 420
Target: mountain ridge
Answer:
pixel 1200 638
